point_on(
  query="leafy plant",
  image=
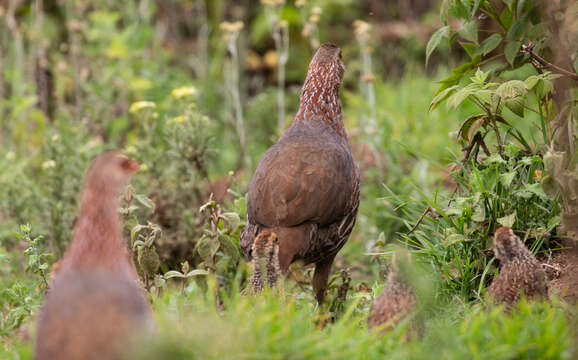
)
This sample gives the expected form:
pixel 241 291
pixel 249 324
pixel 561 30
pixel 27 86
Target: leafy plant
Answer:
pixel 38 261
pixel 218 247
pixel 143 243
pixel 184 274
pixel 491 98
pixel 504 38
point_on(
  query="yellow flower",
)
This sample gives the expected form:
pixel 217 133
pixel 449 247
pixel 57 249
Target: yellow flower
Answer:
pixel 143 167
pixel 253 61
pixel 271 59
pixel 184 92
pixel 178 119
pixel 272 3
pixel 537 174
pixel 140 84
pixel 139 105
pixel 231 27
pixel 10 155
pixel 130 150
pixel 48 164
pixel 361 28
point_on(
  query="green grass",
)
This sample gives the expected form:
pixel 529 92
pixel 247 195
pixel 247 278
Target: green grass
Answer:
pixel 279 325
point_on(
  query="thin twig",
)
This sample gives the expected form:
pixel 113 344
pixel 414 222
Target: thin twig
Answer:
pixel 529 49
pixel 425 212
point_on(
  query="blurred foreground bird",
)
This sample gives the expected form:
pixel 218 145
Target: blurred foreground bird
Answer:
pixel 95 303
pixel 396 302
pixel 306 186
pixel 520 272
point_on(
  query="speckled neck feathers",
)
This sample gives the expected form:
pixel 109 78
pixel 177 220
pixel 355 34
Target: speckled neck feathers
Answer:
pixel 319 99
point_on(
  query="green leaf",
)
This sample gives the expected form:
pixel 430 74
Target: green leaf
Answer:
pixel 207 205
pixel 543 88
pixel 470 48
pixel 459 96
pixel 531 82
pixel 435 40
pixel 475 7
pixel 457 75
pixel 530 190
pixel 507 178
pixel 441 96
pixel 232 219
pixel 470 126
pixel 134 232
pixel 454 239
pixel 145 201
pixel 207 247
pixel 507 18
pixel 516 105
pixel 470 31
pixel 479 214
pixel 444 10
pixel 229 247
pixel 511 50
pixel 480 77
pixel 173 274
pixel 516 31
pixel 511 89
pixel 507 220
pixel 489 44
pixel 196 272
pixel 495 159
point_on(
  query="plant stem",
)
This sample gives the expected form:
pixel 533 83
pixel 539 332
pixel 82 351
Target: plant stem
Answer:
pixel 529 49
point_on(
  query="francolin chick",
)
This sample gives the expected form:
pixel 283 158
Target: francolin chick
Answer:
pixel 396 302
pixel 94 303
pixel 520 272
pixel 266 268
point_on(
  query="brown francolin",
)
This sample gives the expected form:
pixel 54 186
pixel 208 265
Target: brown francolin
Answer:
pixel 94 303
pixel 520 273
pixel 397 300
pixel 306 186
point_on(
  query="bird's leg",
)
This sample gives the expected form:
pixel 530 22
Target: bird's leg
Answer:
pixel 320 278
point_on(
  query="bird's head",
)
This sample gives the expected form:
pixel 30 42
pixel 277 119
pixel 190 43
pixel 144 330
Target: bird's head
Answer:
pixel 110 172
pixel 507 245
pixel 328 64
pixel 265 246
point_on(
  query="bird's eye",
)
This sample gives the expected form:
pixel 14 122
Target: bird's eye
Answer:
pixel 125 163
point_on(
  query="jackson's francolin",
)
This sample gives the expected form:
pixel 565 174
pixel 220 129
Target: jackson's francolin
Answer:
pixel 397 300
pixel 306 186
pixel 94 303
pixel 520 273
